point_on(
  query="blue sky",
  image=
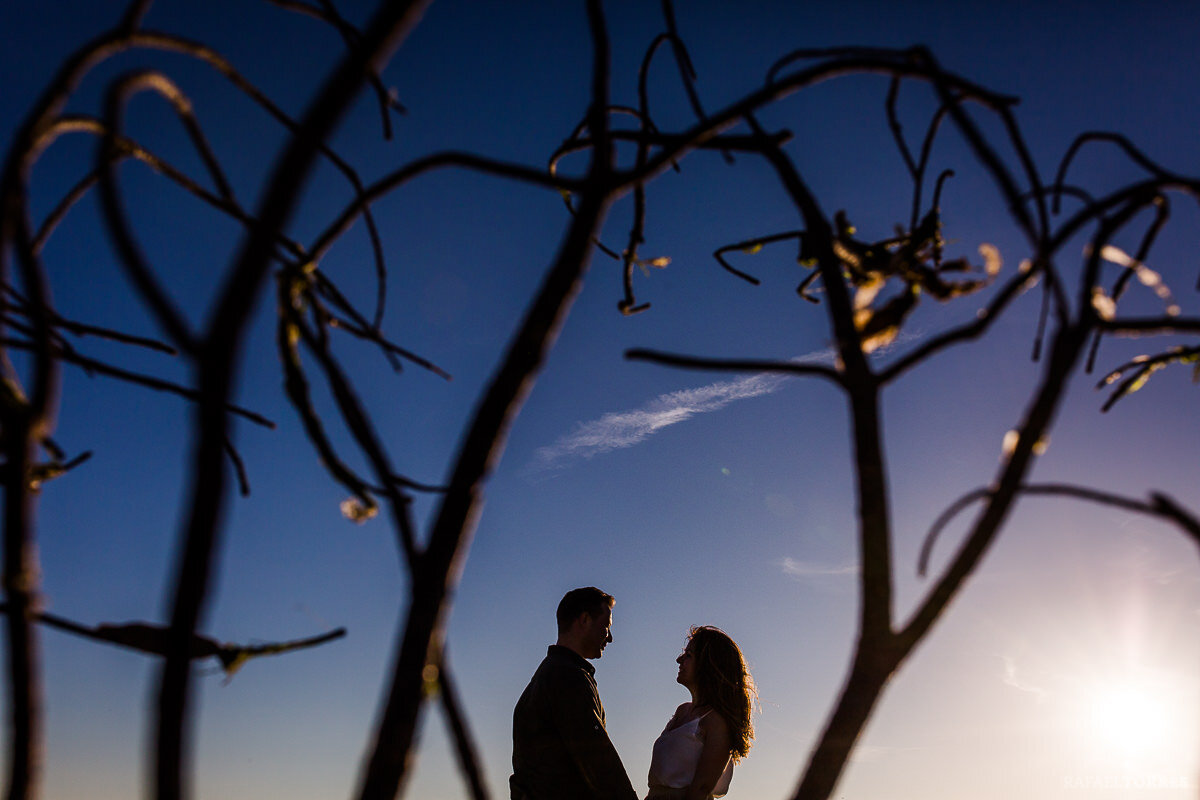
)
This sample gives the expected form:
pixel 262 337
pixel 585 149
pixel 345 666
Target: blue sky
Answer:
pixel 694 498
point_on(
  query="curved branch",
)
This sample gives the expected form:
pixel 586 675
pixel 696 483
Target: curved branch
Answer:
pixel 351 36
pixel 751 246
pixel 1159 506
pixel 428 164
pixel 1135 155
pixel 141 275
pixel 944 519
pixel 128 148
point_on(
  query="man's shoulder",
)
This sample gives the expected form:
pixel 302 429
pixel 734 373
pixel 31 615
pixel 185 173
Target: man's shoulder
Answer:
pixel 562 675
pixel 564 661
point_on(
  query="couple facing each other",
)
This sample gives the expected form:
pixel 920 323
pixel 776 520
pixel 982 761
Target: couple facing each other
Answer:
pixel 561 749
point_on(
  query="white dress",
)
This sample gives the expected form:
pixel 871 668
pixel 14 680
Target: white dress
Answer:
pixel 676 756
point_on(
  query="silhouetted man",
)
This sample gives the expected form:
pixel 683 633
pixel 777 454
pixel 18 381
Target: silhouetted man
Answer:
pixel 561 750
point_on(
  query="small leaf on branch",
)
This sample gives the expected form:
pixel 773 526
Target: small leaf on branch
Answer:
pixel 1133 383
pixel 1013 438
pixel 865 294
pixel 1009 445
pixel 879 328
pixel 753 249
pixel 992 263
pixel 355 510
pixel 1105 306
pixel 1146 276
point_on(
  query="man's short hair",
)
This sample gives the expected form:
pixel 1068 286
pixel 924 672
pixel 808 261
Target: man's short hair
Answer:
pixel 588 600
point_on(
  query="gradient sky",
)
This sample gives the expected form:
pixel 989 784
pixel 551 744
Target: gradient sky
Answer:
pixel 693 498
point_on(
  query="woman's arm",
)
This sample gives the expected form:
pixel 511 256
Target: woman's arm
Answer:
pixel 718 748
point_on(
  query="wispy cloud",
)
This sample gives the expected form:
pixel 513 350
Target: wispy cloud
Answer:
pixel 805 569
pixel 1014 679
pixel 620 429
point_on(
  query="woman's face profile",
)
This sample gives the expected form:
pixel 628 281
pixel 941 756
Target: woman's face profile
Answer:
pixel 687 667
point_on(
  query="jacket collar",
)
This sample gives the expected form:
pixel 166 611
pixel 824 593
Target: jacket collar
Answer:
pixel 560 653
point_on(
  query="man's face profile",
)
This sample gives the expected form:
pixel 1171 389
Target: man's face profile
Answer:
pixel 596 632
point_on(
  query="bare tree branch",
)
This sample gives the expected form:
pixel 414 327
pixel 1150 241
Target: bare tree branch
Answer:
pixel 92 365
pixel 218 358
pixel 328 13
pixel 752 246
pixel 152 640
pixel 734 364
pixel 1158 506
pixel 169 317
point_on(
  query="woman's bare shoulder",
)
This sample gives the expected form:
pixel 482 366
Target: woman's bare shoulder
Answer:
pixel 684 709
pixel 679 716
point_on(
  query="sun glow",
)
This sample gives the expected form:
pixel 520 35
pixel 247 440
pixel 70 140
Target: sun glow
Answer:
pixel 1131 717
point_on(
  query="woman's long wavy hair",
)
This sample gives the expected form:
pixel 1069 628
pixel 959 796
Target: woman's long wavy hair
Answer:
pixel 724 684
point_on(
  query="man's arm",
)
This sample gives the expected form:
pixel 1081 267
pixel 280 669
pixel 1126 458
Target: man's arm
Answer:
pixel 578 717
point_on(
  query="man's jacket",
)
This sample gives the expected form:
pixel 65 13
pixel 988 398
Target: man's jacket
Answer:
pixel 561 750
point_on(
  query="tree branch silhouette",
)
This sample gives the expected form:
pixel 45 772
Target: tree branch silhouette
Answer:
pixel 868 291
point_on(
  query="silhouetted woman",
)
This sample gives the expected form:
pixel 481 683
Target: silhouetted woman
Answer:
pixel 694 757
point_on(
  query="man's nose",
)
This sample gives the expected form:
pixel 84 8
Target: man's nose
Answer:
pixel 608 637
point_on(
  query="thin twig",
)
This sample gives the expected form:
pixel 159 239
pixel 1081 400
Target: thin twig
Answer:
pixel 1135 155
pixel 239 468
pixel 751 246
pixel 92 365
pixel 363 430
